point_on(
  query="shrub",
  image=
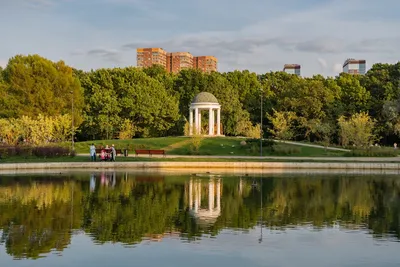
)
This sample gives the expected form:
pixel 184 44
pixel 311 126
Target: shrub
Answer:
pixel 285 151
pixel 266 143
pixel 26 151
pixel 195 144
pixel 127 130
pixel 49 152
pixel 372 152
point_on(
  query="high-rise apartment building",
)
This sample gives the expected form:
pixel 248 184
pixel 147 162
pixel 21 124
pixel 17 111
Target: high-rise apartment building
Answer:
pixel 354 66
pixel 205 63
pixel 292 69
pixel 147 57
pixel 178 61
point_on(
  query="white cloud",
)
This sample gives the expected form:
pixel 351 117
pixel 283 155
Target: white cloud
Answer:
pixel 337 68
pixel 322 62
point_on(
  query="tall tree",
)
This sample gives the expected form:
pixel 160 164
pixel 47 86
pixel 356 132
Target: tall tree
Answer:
pixel 188 84
pixel 247 86
pixel 35 85
pixel 114 95
pixel 232 114
pixel 354 97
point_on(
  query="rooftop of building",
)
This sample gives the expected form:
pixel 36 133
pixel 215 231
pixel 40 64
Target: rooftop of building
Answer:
pixel 210 57
pixel 141 49
pixel 291 66
pixel 354 61
pixel 179 54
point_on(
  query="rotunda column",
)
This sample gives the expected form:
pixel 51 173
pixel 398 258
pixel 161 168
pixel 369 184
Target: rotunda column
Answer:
pixel 219 121
pixel 210 122
pixel 199 120
pixel 190 121
pixel 196 120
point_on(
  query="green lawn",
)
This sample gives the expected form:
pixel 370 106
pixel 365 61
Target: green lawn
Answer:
pixel 139 143
pixel 231 146
pixel 209 146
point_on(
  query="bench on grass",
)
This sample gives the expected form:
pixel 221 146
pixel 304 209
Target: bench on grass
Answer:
pixel 150 152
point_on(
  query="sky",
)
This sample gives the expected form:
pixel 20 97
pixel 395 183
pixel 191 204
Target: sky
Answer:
pixel 257 35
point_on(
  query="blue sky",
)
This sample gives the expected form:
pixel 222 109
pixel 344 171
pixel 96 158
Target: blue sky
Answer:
pixel 259 35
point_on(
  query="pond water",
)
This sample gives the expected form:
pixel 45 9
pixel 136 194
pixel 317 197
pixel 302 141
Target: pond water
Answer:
pixel 143 219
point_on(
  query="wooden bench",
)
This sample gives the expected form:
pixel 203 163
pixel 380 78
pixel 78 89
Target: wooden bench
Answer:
pixel 150 152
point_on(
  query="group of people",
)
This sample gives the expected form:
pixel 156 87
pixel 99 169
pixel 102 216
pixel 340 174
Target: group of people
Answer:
pixel 105 153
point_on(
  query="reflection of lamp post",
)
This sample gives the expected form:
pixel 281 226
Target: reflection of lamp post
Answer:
pixel 72 120
pixel 261 211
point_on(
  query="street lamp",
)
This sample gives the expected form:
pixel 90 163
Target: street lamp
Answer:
pixel 72 120
pixel 261 128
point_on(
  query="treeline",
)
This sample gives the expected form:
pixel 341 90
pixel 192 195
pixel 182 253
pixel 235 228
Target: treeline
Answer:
pixel 131 102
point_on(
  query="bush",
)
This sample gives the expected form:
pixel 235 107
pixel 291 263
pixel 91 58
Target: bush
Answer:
pixel 266 143
pixel 26 151
pixel 195 144
pixel 285 151
pixel 12 151
pixel 372 152
pixel 50 152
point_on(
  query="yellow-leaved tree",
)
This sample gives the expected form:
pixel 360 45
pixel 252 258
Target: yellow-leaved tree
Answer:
pixel 357 130
pixel 282 122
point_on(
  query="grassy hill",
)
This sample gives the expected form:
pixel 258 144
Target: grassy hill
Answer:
pixel 209 146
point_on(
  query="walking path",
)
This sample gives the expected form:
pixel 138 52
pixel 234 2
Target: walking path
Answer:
pixel 176 145
pixel 311 145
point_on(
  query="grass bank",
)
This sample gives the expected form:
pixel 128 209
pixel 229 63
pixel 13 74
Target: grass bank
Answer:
pixel 178 159
pixel 217 146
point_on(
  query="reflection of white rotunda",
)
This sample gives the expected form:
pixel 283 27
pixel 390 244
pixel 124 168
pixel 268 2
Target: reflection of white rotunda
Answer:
pixel 212 212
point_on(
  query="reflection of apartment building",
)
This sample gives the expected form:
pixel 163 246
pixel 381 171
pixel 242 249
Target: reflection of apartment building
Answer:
pixel 205 63
pixel 353 66
pixel 292 69
pixel 178 61
pixel 174 62
pixel 147 57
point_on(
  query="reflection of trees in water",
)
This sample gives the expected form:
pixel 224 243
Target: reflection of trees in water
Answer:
pixel 38 216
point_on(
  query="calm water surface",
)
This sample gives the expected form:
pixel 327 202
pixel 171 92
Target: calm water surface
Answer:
pixel 129 219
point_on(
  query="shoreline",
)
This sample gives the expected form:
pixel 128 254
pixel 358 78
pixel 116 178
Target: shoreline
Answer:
pixel 220 166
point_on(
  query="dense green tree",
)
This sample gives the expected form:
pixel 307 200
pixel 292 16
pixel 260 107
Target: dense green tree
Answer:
pixel 248 87
pixel 354 97
pixel 188 84
pixel 160 74
pixel 232 113
pixel 35 85
pixel 383 83
pixel 117 94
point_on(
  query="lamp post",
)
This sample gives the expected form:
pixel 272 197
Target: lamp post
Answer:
pixel 72 120
pixel 261 128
